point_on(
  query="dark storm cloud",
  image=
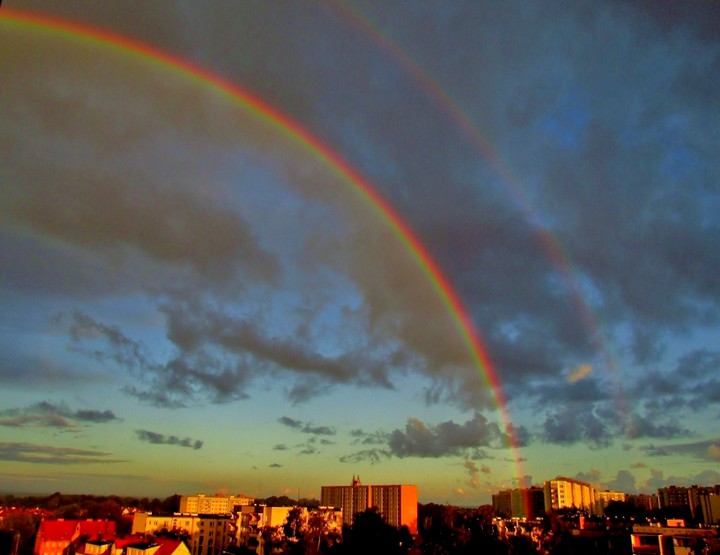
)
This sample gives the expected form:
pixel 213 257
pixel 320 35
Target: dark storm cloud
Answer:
pixel 162 439
pixel 600 424
pixel 576 426
pixel 447 438
pixel 51 415
pixel 170 226
pixel 180 377
pixel 47 454
pixel 580 148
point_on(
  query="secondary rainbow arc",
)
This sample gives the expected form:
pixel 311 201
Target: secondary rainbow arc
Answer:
pixel 275 118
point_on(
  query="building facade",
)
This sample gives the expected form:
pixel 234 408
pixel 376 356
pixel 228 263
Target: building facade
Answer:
pixel 206 534
pixel 212 504
pixel 523 503
pixel 59 537
pixel 567 493
pixel 604 498
pixel 397 504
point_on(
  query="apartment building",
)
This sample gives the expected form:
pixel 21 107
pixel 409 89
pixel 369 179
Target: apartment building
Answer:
pixel 604 498
pixel 212 504
pixel 566 493
pixel 206 534
pixel 54 537
pixel 396 503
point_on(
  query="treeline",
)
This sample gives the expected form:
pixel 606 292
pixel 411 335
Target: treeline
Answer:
pixel 73 506
pixel 285 501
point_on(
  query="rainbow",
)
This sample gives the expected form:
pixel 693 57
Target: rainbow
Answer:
pixel 294 131
pixel 548 242
pixel 442 98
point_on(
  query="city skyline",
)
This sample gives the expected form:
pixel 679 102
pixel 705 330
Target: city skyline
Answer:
pixel 257 248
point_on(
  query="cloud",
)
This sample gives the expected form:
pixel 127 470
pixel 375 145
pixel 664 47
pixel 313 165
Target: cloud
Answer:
pixel 162 439
pixel 271 273
pixel 624 481
pixel 51 415
pixel 580 373
pixel 373 456
pixel 290 422
pixel 307 428
pixel 166 225
pixel 703 450
pixel 447 438
pixel 276 465
pixel 658 480
pixel 47 454
pixel 369 438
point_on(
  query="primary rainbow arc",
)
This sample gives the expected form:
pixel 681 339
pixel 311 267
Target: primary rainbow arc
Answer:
pixel 330 158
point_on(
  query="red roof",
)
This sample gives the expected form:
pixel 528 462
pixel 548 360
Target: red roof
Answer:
pixel 67 530
pixel 167 546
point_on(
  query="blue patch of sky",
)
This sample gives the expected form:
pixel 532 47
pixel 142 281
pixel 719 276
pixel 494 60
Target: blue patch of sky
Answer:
pixel 567 121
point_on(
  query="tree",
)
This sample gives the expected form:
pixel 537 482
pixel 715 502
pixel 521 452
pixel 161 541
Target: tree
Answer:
pixel 369 533
pixel 26 526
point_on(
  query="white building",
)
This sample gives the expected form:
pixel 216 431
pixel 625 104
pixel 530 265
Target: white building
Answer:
pixel 206 534
pixel 212 504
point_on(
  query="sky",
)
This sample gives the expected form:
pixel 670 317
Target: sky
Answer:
pixel 261 247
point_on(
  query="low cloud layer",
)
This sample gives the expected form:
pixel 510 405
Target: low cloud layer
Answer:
pixel 306 427
pixel 51 415
pixel 21 452
pixel 161 439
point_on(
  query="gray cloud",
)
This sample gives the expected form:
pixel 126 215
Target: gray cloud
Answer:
pixel 51 415
pixel 708 450
pixel 290 422
pixel 623 481
pixel 659 480
pixel 373 456
pixel 447 438
pixel 47 454
pixel 306 427
pixel 162 439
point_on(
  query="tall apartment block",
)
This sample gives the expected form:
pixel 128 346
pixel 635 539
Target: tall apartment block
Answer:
pixel 526 503
pixel 562 493
pixel 212 504
pixel 397 504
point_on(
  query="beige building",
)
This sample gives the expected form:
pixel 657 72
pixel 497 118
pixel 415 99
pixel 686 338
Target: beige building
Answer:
pixel 396 503
pixel 566 493
pixel 604 498
pixel 212 504
pixel 206 534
